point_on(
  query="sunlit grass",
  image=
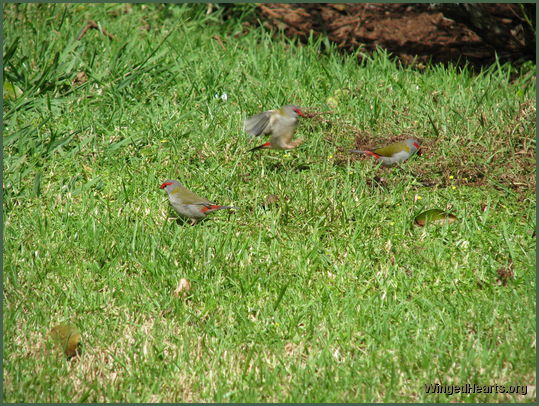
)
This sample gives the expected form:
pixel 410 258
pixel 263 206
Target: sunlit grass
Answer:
pixel 329 294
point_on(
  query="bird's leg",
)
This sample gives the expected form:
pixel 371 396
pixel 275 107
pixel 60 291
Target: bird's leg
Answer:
pixel 295 143
pixel 194 221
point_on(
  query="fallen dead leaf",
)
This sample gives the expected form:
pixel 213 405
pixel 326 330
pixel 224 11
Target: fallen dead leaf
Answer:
pixel 183 288
pixel 93 25
pixel 80 78
pixel 68 338
pixel 270 200
pixel 219 41
pixel 504 274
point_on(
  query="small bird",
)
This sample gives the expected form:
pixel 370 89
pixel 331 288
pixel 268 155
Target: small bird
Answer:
pixel 280 123
pixel 188 204
pixel 394 153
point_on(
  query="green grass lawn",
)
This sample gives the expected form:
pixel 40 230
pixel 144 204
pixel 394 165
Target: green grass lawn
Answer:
pixel 332 294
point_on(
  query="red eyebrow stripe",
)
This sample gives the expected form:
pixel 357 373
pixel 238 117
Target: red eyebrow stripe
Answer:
pixel 164 185
pixel 415 144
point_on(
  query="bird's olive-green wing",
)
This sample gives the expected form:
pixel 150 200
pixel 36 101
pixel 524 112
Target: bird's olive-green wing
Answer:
pixel 189 197
pixel 392 149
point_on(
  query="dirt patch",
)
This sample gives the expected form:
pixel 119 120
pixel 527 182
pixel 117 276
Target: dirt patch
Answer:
pixel 507 161
pixel 414 33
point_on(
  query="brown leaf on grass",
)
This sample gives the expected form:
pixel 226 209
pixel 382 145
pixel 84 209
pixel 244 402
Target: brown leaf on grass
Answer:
pixel 246 29
pixel 80 78
pixel 68 338
pixel 377 181
pixel 504 274
pixel 183 288
pixel 219 41
pixel 245 177
pixel 145 26
pixel 270 200
pixel 93 25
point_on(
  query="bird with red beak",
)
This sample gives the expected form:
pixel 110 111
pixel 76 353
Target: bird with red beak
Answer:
pixel 188 204
pixel 393 153
pixel 280 124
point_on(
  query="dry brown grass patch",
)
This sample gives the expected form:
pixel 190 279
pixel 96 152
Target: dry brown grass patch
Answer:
pixel 504 158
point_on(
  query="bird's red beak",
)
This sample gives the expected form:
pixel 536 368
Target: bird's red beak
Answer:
pixel 164 185
pixel 300 113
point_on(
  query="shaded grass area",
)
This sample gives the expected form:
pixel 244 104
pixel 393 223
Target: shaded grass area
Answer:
pixel 329 294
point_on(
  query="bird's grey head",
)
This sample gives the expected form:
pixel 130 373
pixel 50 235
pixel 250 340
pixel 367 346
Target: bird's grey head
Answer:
pixel 414 146
pixel 293 110
pixel 169 185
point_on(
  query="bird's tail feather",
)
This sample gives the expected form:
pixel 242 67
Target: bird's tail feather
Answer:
pixel 266 145
pixel 370 153
pixel 215 207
